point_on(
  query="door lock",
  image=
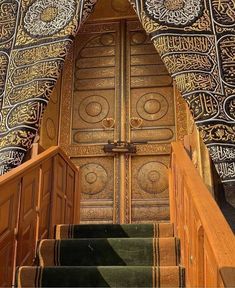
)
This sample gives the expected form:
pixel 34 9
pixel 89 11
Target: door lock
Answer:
pixel 119 147
pixel 122 147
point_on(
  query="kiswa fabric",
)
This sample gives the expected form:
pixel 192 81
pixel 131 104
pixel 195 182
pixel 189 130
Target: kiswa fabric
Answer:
pixel 196 40
pixel 35 36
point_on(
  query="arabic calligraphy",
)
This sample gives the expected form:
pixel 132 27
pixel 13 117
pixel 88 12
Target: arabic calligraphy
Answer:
pixel 198 50
pixel 28 76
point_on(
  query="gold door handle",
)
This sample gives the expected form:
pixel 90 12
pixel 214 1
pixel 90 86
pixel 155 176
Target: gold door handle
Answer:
pixel 108 123
pixel 16 232
pixel 37 209
pixel 136 122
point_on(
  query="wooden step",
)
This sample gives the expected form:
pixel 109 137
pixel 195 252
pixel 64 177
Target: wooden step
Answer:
pixel 114 230
pixel 122 276
pixel 129 255
pixel 110 252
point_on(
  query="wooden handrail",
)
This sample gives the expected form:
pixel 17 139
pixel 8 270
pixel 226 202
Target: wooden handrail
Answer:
pixel 34 197
pixel 208 243
pixel 50 152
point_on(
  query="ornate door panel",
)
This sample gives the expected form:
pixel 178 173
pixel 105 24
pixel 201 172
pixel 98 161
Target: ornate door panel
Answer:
pixel 93 120
pixel 149 183
pixel 98 189
pixel 115 87
pixel 95 82
pixel 151 121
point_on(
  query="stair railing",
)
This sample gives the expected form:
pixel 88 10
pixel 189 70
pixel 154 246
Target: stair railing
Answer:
pixel 207 242
pixel 40 193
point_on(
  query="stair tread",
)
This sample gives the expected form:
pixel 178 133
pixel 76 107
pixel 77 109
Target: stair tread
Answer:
pixel 122 276
pixel 107 255
pixel 114 230
pixel 109 238
pixel 109 251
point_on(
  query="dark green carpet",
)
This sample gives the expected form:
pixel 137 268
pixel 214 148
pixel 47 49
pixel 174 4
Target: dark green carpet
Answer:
pixel 115 231
pixel 110 252
pixel 135 259
pixel 101 277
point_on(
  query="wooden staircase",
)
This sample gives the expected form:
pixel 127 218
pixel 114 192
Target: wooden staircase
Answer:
pixel 144 255
pixel 44 192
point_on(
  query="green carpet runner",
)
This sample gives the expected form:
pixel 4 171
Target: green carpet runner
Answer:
pixel 144 255
pixel 114 231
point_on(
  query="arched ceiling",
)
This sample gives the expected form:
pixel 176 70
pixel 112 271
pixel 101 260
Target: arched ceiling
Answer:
pixel 113 9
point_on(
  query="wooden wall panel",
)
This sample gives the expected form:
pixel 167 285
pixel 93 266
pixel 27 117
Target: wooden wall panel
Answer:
pixel 210 267
pixel 50 124
pixel 45 199
pixel 199 254
pixel 59 190
pixel 28 218
pixel 34 197
pixel 69 195
pixel 8 220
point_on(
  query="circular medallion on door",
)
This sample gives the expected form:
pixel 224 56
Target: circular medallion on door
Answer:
pixel 152 177
pixel 93 178
pixel 93 109
pixel 152 106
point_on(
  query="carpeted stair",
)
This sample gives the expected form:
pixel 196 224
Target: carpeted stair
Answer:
pixel 142 255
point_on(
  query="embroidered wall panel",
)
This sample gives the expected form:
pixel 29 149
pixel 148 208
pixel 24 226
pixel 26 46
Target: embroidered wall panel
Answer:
pixel 35 36
pixel 196 40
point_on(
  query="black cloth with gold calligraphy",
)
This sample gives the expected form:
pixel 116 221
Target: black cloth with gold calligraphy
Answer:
pixel 34 39
pixel 196 40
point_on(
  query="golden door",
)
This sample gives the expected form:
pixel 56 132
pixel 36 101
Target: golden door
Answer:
pixel 115 87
